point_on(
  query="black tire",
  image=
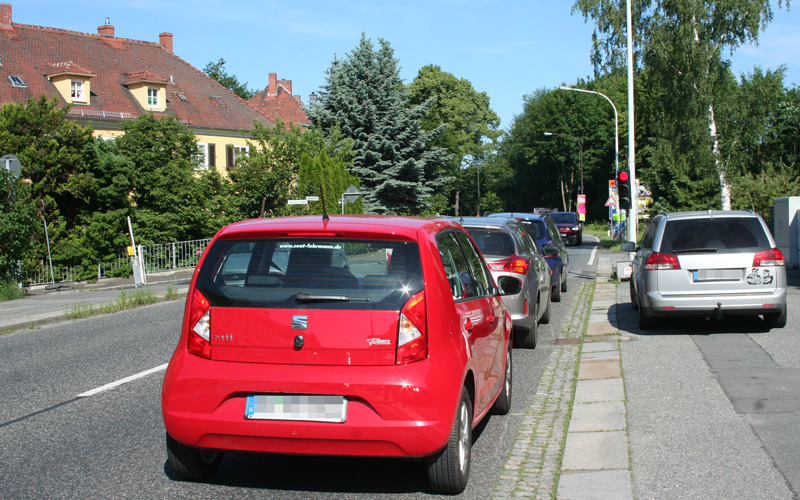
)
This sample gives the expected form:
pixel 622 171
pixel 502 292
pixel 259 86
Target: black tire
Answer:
pixel 448 470
pixel 546 316
pixel 502 404
pixel 776 320
pixel 563 283
pixel 634 299
pixel 192 464
pixel 580 240
pixel 646 321
pixel 555 296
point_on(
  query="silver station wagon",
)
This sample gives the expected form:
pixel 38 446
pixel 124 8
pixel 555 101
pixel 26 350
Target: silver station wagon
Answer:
pixel 711 264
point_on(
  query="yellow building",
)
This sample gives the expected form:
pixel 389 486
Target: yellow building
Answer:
pixel 111 80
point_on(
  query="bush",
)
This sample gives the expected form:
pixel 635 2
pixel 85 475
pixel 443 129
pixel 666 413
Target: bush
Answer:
pixel 10 291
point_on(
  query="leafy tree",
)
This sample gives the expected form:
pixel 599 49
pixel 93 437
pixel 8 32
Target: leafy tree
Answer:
pixel 218 72
pixel 393 155
pixel 468 128
pixel 173 200
pixel 18 223
pixel 681 45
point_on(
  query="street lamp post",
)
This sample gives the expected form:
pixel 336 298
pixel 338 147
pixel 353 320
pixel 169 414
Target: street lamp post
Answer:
pixel 616 123
pixel 580 146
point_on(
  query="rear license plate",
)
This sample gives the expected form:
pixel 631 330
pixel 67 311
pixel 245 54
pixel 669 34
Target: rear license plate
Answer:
pixel 314 408
pixel 717 275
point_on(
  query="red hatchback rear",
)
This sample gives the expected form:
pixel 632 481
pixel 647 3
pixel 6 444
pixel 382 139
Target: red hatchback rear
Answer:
pixel 357 336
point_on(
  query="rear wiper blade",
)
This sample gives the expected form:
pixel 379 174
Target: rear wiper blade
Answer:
pixel 696 250
pixel 307 297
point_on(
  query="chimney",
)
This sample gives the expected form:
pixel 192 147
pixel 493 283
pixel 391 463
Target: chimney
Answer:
pixel 106 30
pixel 286 84
pixel 312 97
pixel 272 89
pixel 165 39
pixel 5 15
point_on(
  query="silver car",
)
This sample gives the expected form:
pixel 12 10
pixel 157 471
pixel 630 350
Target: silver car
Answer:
pixel 709 264
pixel 519 269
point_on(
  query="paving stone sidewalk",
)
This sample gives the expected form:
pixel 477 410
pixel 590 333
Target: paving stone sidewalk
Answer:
pixel 573 441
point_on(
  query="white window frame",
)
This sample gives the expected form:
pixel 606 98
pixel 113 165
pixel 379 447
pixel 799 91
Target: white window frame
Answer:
pixel 204 154
pixel 240 150
pixel 152 98
pixel 77 93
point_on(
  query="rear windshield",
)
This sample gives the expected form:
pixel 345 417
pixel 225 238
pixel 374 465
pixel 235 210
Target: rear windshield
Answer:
pixel 536 228
pixel 493 242
pixel 311 273
pixel 718 235
pixel 564 217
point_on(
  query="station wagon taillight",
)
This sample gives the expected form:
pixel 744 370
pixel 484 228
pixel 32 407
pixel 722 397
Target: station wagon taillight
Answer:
pixel 513 264
pixel 659 261
pixel 412 336
pixel 199 336
pixel 768 258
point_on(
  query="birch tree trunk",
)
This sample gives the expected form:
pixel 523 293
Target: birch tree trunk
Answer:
pixel 724 183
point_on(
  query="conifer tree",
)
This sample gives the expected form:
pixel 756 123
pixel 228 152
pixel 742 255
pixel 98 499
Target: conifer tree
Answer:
pixel 393 157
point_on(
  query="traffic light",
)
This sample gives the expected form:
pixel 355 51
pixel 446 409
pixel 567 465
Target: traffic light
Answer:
pixel 624 189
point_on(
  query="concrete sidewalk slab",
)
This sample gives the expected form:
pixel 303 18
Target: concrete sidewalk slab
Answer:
pixel 596 451
pixel 599 369
pixel 599 416
pixel 592 391
pixel 595 485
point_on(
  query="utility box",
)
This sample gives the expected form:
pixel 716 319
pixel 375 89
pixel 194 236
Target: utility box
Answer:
pixel 787 229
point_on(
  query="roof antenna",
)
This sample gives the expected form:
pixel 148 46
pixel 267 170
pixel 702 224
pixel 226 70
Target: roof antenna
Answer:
pixel 324 210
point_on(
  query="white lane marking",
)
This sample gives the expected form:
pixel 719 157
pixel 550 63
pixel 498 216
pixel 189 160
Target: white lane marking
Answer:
pixel 591 257
pixel 121 381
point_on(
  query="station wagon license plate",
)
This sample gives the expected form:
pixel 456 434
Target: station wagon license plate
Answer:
pixel 717 275
pixel 313 408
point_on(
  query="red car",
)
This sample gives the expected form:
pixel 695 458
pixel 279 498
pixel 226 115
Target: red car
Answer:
pixel 354 335
pixel 569 226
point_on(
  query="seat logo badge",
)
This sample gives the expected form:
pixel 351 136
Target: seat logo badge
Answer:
pixel 379 341
pixel 299 322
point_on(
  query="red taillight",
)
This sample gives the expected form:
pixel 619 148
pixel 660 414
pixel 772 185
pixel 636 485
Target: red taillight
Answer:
pixel 412 337
pixel 768 258
pixel 662 261
pixel 513 264
pixel 199 336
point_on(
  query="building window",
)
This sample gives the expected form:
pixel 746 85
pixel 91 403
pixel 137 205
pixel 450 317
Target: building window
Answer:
pixel 77 91
pixel 17 81
pixel 152 97
pixel 233 153
pixel 208 156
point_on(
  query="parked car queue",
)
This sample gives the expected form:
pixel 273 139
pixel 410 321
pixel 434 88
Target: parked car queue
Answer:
pixel 379 336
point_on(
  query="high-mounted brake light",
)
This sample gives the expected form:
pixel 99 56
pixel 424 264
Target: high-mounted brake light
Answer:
pixel 412 335
pixel 768 258
pixel 662 262
pixel 199 335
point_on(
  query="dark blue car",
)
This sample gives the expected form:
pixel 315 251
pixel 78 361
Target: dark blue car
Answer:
pixel 544 231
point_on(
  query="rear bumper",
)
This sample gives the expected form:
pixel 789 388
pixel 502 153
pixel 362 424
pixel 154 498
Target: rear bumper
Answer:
pixel 727 304
pixel 391 411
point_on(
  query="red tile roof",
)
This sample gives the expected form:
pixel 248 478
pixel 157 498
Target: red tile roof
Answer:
pixel 277 101
pixel 33 53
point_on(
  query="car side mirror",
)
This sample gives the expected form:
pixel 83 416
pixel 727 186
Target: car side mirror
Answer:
pixel 628 246
pixel 508 285
pixel 549 250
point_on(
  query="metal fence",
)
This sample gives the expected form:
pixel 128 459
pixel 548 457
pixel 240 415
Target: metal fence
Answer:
pixel 158 257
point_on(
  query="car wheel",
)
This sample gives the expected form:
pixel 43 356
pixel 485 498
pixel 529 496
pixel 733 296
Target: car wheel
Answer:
pixel 580 240
pixel 448 470
pixel 563 283
pixel 545 319
pixel 527 337
pixel 634 299
pixel 503 403
pixel 646 321
pixel 555 296
pixel 776 320
pixel 192 464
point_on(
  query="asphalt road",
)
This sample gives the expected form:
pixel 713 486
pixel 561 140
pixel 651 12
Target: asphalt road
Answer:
pixel 66 435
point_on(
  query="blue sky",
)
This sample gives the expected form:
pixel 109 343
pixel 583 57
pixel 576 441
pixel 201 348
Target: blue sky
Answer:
pixel 506 48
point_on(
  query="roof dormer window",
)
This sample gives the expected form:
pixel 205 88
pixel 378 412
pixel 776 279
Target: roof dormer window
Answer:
pixel 77 91
pixel 152 98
